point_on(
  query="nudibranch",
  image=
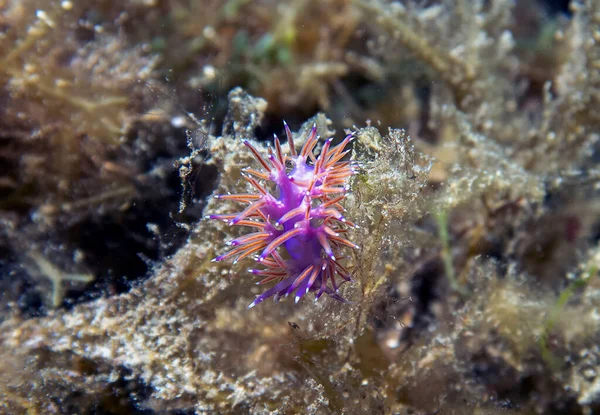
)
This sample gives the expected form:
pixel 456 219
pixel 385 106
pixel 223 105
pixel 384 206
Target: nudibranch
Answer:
pixel 295 212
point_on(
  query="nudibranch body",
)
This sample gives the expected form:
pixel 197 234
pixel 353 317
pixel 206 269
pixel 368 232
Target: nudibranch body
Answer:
pixel 299 229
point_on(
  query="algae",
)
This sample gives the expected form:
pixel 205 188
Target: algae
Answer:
pixel 476 198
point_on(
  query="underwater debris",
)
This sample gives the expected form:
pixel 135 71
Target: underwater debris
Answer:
pixel 57 277
pixel 305 218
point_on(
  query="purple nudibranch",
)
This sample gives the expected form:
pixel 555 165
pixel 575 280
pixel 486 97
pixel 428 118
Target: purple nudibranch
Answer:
pixel 299 234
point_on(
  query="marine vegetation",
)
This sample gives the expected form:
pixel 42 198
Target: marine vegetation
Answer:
pixel 456 184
